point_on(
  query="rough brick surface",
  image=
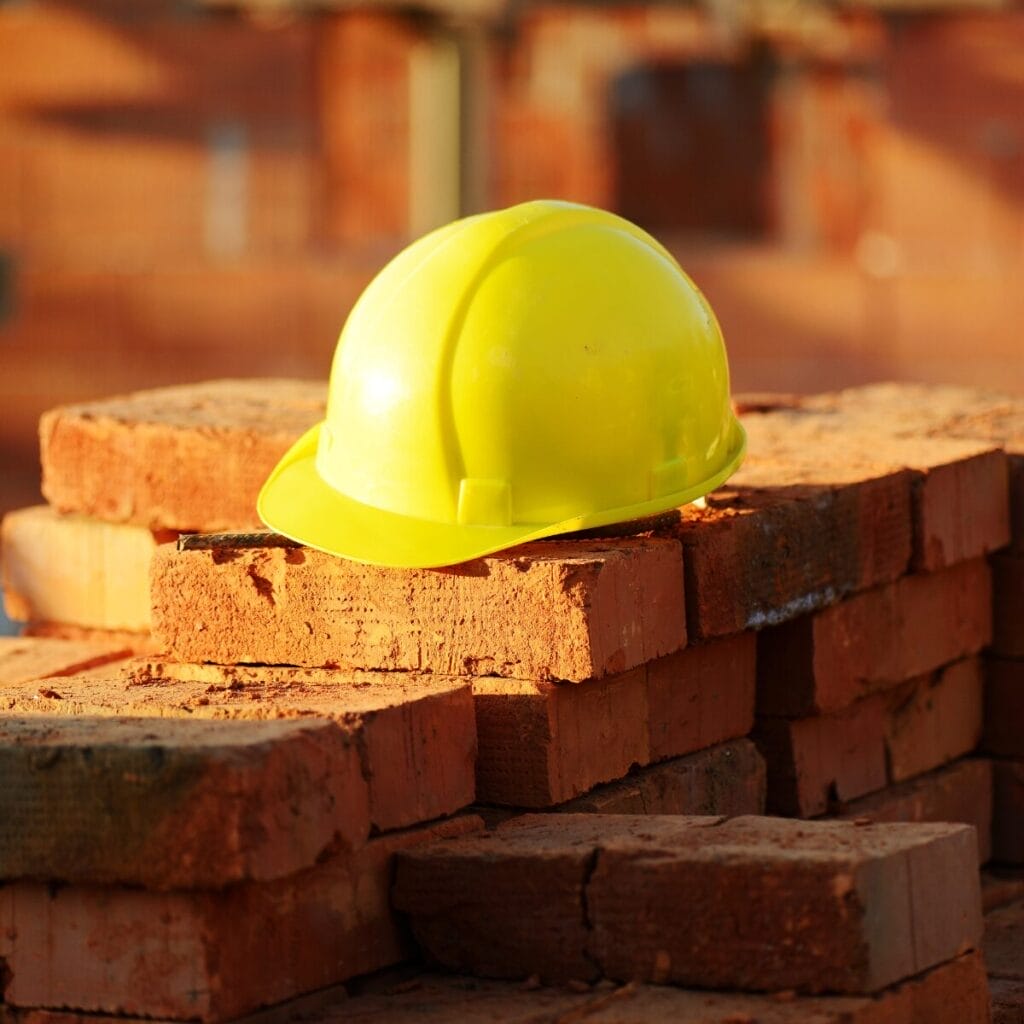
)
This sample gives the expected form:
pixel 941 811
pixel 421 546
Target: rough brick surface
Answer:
pixel 830 502
pixel 701 696
pixel 761 555
pixel 960 487
pixel 544 743
pixel 827 906
pixel 174 804
pixel 1016 464
pixel 75 570
pixel 820 762
pixel 555 610
pixel 1008 604
pixel 725 779
pixel 1008 811
pixel 26 659
pixel 182 458
pixel 962 510
pixel 1004 707
pixel 415 735
pixel 825 661
pixel 934 720
pixel 208 956
pixel 960 792
pixel 915 410
pixel 816 764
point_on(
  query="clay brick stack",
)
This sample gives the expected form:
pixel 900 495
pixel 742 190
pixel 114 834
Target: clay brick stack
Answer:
pixel 124 475
pixel 187 841
pixel 234 799
pixel 968 415
pixel 576 652
pixel 874 599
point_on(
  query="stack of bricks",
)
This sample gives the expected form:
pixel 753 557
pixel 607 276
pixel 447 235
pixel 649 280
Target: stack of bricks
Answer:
pixel 855 542
pixel 189 841
pixel 576 652
pixel 123 476
pixel 967 416
pixel 813 636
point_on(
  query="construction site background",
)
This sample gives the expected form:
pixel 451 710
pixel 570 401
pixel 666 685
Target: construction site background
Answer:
pixel 194 190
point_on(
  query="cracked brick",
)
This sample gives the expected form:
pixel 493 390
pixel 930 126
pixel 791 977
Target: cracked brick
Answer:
pixel 828 906
pixel 822 761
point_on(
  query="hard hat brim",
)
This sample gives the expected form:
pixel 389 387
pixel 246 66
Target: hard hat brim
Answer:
pixel 296 503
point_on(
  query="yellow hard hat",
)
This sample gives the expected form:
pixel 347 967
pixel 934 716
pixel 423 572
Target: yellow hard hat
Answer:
pixel 510 376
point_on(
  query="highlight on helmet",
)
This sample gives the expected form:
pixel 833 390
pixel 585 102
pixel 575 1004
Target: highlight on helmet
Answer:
pixel 513 375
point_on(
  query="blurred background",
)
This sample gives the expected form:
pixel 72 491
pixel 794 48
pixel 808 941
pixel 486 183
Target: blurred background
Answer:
pixel 195 189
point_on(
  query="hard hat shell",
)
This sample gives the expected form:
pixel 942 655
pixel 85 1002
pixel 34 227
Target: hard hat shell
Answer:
pixel 513 375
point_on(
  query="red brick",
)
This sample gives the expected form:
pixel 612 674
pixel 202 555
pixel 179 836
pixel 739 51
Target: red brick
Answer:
pixel 1016 464
pixel 725 779
pixel 364 60
pixel 933 720
pixel 701 696
pixel 960 792
pixel 962 509
pixel 910 410
pixel 948 436
pixel 182 458
pixel 1008 604
pixel 825 661
pixel 829 906
pixel 415 734
pixel 1008 811
pixel 826 506
pixel 817 763
pixel 76 570
pixel 26 659
pixel 1004 707
pixel 544 743
pixel 560 610
pixel 208 956
pixel 172 804
pixel 759 555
